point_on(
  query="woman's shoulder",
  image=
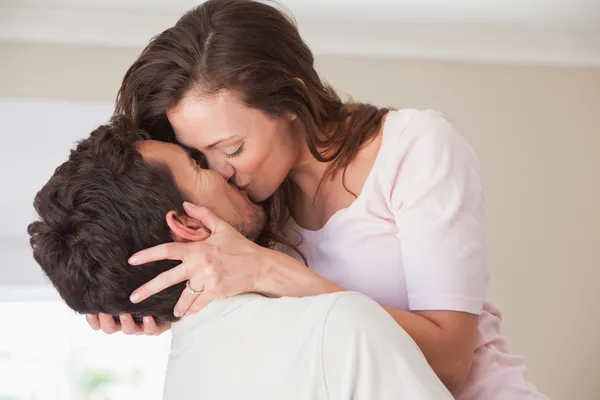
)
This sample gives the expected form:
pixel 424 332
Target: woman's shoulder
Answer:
pixel 415 122
pixel 407 131
pixel 420 148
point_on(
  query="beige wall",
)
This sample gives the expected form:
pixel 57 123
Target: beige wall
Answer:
pixel 537 135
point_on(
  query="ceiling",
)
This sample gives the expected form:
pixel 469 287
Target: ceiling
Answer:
pixel 523 31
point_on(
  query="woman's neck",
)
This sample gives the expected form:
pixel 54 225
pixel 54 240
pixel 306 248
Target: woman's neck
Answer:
pixel 307 173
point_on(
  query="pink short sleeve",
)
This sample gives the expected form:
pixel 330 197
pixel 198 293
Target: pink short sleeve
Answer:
pixel 437 199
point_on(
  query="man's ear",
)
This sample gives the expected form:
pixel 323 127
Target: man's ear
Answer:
pixel 186 229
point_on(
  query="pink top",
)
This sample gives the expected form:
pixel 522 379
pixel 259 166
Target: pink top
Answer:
pixel 415 239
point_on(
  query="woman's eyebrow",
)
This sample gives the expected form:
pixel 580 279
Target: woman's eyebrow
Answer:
pixel 213 145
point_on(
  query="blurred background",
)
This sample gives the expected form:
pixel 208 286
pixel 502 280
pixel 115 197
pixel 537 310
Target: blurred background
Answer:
pixel 519 79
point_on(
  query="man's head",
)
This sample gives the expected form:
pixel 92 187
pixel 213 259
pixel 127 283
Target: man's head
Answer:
pixel 119 193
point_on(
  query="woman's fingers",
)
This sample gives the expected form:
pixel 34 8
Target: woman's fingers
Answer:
pixel 151 328
pixel 165 251
pixel 108 324
pixel 186 299
pixel 168 278
pixel 93 321
pixel 184 303
pixel 203 215
pixel 161 328
pixel 128 325
pixel 199 303
pixel 154 329
pixel 213 289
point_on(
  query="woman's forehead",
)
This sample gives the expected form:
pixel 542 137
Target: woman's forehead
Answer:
pixel 200 122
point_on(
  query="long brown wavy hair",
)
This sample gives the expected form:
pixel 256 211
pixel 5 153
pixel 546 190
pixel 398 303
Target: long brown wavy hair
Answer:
pixel 254 50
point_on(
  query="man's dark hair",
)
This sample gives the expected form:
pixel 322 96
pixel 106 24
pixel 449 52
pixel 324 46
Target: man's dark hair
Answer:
pixel 98 208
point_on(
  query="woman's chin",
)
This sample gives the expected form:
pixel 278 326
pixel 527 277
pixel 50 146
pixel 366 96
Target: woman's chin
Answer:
pixel 257 198
pixel 253 198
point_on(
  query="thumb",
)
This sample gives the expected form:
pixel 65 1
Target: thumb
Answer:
pixel 204 216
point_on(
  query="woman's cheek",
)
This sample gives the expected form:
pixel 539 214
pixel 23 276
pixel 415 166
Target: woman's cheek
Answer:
pixel 248 163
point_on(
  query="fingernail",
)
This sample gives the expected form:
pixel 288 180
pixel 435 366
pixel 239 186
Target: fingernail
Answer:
pixel 176 313
pixel 133 260
pixel 146 320
pixel 188 205
pixel 134 298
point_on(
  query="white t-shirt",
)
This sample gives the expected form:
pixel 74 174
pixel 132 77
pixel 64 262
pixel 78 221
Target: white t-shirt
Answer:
pixel 414 239
pixel 334 346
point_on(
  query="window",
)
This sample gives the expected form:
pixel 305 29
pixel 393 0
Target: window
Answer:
pixel 47 352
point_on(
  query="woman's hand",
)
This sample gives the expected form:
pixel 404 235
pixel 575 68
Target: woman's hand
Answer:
pixel 223 265
pixel 107 324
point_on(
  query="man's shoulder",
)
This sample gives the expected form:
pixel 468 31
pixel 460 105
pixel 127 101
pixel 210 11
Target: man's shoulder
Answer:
pixel 312 312
pixel 354 309
pixel 317 305
pixel 305 316
pixel 297 319
pixel 255 309
pixel 342 310
pixel 356 315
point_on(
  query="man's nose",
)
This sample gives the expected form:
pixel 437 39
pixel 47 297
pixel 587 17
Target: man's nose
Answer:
pixel 226 170
pixel 221 166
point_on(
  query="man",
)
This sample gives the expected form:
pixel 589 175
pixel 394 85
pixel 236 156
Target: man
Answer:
pixel 119 193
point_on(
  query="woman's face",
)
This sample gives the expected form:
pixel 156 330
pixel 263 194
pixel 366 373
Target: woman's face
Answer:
pixel 249 148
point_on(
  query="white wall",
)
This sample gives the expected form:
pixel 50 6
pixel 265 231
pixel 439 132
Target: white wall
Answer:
pixel 536 132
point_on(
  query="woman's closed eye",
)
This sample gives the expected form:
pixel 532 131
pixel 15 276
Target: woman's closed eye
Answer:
pixel 236 152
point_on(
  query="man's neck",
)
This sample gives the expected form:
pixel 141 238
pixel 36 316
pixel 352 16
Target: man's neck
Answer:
pixel 212 312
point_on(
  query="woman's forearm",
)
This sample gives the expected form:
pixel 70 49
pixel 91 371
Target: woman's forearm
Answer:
pixel 285 276
pixel 449 359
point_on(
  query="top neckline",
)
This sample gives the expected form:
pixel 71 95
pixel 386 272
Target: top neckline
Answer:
pixel 305 233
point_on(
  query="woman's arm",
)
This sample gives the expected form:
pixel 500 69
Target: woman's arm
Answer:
pixel 227 264
pixel 446 338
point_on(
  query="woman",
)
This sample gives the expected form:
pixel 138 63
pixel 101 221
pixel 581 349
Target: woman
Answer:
pixel 387 203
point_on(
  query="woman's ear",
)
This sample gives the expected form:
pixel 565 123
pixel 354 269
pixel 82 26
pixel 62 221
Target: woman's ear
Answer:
pixel 300 81
pixel 186 229
pixel 292 116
